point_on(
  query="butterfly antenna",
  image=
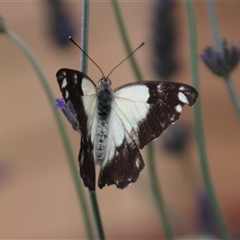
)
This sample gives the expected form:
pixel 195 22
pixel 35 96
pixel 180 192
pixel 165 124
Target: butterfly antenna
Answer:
pixel 126 57
pixel 70 38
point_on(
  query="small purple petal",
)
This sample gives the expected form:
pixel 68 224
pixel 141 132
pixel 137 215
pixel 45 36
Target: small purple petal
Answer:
pixel 60 103
pixel 68 111
pixel 203 56
pixel 205 213
pixel 221 63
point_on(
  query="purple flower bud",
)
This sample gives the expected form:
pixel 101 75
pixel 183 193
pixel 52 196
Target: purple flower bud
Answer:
pixel 221 63
pixel 69 112
pixel 205 213
pixel 59 103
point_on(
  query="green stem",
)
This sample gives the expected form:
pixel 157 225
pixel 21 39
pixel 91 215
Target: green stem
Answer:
pixel 219 47
pixel 150 150
pixel 84 35
pixel 233 95
pixel 158 194
pixel 198 123
pixel 83 68
pixel 61 128
pixel 97 216
pixel 125 39
pixel 214 25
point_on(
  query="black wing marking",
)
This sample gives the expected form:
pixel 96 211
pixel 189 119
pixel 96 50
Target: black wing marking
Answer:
pixel 86 164
pixel 163 106
pixel 72 85
pixel 125 166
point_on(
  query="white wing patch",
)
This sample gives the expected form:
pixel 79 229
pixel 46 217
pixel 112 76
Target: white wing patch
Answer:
pixel 66 94
pixel 90 104
pixel 64 83
pixel 89 100
pixel 182 98
pixel 135 93
pixel 116 135
pixel 130 104
pixel 178 108
pixel 88 87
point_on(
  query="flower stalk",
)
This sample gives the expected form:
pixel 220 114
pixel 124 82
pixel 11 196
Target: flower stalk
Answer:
pixel 66 143
pixel 198 123
pixel 233 61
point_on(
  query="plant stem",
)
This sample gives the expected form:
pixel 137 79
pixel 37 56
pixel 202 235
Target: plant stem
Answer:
pixel 214 25
pixel 97 216
pixel 84 35
pixel 150 150
pixel 83 68
pixel 125 39
pixel 233 95
pixel 61 128
pixel 157 193
pixel 198 123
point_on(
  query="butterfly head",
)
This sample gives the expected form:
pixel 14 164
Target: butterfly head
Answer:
pixel 104 82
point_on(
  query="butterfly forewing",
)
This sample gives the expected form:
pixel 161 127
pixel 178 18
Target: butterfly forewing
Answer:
pixel 148 108
pixel 82 92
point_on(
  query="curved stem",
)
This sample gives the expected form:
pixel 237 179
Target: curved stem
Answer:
pixel 61 128
pixel 233 95
pixel 125 39
pixel 158 194
pixel 198 123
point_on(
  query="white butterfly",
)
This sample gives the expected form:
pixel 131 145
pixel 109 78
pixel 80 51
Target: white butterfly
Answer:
pixel 115 124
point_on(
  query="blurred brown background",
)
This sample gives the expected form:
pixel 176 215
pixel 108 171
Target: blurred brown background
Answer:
pixel 37 196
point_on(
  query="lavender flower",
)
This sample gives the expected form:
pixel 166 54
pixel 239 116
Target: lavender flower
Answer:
pixel 221 63
pixel 69 112
pixel 205 213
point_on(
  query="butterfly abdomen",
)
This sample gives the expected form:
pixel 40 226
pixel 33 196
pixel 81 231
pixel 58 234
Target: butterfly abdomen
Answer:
pixel 104 109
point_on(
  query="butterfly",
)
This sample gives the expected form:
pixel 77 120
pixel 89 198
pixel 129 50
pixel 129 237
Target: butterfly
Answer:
pixel 115 124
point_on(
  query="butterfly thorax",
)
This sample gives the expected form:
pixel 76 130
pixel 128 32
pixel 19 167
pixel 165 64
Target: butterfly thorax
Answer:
pixel 104 103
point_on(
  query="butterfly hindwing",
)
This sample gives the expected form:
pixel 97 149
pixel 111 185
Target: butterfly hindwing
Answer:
pixel 86 163
pixel 124 168
pixel 123 161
